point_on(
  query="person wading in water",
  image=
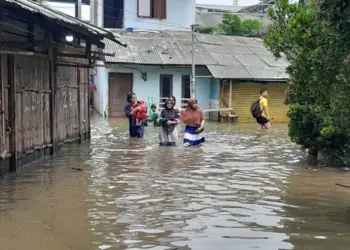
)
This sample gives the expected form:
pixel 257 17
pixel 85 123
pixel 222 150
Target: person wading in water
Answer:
pixel 263 119
pixel 193 117
pixel 130 110
pixel 168 120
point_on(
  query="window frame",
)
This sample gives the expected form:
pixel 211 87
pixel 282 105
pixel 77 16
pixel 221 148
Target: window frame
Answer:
pixel 153 14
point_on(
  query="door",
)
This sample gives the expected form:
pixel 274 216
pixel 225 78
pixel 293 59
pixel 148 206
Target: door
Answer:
pixel 120 84
pixel 186 89
pixel 166 86
pixel 243 94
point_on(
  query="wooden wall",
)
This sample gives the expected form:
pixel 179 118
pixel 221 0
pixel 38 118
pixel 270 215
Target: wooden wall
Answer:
pixel 243 94
pixel 34 138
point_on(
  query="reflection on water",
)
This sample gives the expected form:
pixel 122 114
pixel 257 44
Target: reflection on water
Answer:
pixel 244 189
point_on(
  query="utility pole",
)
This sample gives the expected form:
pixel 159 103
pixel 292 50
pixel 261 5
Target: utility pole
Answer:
pixel 93 12
pixel 193 77
pixel 78 9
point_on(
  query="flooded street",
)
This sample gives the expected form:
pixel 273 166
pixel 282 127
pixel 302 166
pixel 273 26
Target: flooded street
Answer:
pixel 243 189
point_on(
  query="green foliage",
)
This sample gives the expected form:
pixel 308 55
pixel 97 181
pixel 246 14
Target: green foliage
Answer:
pixel 205 30
pixel 316 43
pixel 232 25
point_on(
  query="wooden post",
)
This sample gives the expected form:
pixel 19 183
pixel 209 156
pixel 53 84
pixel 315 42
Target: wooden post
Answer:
pixel 53 88
pixel 230 105
pixel 88 107
pixel 2 96
pixel 79 104
pixel 12 114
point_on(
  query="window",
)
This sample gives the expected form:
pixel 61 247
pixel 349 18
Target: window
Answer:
pixel 166 86
pixel 151 8
pixel 113 12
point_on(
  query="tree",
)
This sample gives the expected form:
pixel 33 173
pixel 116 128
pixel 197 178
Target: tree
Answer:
pixel 313 39
pixel 205 30
pixel 232 25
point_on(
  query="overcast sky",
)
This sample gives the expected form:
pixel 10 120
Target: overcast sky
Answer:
pixel 227 2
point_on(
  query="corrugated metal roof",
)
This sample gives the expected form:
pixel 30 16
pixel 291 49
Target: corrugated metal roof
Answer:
pixel 250 61
pixel 225 59
pixel 62 18
pixel 229 72
pixel 266 74
pixel 225 56
pixel 271 61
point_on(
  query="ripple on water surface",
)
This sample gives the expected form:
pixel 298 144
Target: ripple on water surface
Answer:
pixel 242 190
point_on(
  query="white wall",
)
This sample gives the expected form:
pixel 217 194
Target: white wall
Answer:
pixel 180 13
pixel 150 88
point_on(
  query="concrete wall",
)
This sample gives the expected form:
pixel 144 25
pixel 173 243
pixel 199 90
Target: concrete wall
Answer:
pixel 180 13
pixel 150 88
pixel 215 89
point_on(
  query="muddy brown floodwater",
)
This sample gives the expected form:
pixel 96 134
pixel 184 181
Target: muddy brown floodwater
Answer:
pixel 242 190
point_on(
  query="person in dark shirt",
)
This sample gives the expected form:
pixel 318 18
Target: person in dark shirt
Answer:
pixel 136 130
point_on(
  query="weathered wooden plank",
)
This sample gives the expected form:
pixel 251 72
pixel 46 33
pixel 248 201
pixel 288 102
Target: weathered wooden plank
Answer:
pixel 19 122
pixel 12 115
pixel 47 105
pixel 53 88
pixel 5 104
pixel 2 108
pixel 25 120
pixel 79 105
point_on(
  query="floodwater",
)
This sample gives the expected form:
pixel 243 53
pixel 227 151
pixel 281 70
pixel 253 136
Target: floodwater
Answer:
pixel 243 189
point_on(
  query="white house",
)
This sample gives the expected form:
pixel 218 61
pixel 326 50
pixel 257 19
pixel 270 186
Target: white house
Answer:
pixel 136 14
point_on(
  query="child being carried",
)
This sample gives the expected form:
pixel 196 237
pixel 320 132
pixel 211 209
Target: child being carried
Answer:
pixel 139 112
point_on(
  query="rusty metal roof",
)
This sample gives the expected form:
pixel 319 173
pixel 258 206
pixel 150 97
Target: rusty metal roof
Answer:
pixel 224 56
pixel 62 18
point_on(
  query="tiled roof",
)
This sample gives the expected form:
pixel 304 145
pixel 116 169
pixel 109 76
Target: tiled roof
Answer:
pixel 224 56
pixel 61 18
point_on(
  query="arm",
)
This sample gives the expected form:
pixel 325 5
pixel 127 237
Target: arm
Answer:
pixel 202 124
pixel 265 109
pixel 203 121
pixel 127 111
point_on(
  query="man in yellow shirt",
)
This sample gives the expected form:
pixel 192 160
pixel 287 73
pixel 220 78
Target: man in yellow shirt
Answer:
pixel 264 119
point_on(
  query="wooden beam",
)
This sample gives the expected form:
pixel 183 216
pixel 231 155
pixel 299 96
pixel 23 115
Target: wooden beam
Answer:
pixel 72 55
pixel 105 54
pixel 44 44
pixel 12 114
pixel 79 104
pixel 88 51
pixel 86 66
pixel 230 94
pixel 23 53
pixel 2 99
pixel 88 106
pixel 53 88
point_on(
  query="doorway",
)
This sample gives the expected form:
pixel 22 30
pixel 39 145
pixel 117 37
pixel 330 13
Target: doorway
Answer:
pixel 166 86
pixel 186 87
pixel 120 84
pixel 186 90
